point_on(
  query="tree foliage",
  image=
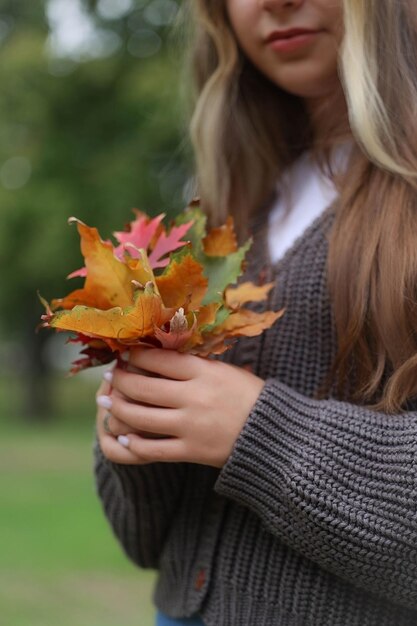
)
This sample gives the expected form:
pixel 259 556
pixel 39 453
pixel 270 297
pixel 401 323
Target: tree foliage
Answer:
pixel 94 133
pixel 94 138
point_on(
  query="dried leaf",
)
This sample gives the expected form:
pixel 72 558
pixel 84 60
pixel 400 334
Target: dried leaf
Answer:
pixel 248 323
pixel 109 281
pixel 122 324
pixel 183 284
pixel 167 243
pixel 194 215
pixel 139 234
pixel 222 272
pixel 235 297
pixel 191 307
pixel 221 241
pixel 180 331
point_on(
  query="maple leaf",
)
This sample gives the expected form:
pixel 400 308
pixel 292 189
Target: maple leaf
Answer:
pixel 181 329
pixel 245 322
pixel 108 280
pixel 140 232
pixel 92 357
pixel 235 297
pixel 217 251
pixel 148 234
pixel 221 241
pixel 223 271
pixel 197 232
pixel 193 306
pixel 123 324
pixel 166 244
pixel 183 283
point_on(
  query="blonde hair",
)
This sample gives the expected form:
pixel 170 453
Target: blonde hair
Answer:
pixel 245 131
pixel 373 103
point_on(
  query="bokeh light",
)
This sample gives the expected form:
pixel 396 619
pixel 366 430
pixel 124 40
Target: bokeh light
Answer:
pixel 113 9
pixel 15 172
pixel 161 12
pixel 144 43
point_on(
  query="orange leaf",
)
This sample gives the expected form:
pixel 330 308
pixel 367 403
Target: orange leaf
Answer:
pixel 221 241
pixel 247 323
pixel 183 284
pixel 204 316
pixel 242 323
pixel 207 314
pixel 212 344
pixel 117 323
pixel 246 292
pixel 109 281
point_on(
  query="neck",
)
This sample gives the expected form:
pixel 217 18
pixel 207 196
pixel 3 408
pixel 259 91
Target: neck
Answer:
pixel 329 118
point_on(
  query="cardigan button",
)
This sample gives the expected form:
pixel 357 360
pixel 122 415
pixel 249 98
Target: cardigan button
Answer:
pixel 200 579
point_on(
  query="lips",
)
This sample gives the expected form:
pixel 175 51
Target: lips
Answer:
pixel 289 33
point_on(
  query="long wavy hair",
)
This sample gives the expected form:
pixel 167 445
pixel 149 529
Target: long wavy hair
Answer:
pixel 245 131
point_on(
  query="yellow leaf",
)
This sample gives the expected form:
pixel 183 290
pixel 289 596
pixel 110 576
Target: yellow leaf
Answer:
pixel 248 323
pixel 127 324
pixel 241 323
pixel 246 292
pixel 109 281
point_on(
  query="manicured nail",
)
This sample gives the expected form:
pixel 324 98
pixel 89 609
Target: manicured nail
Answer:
pixel 123 440
pixel 104 401
pixel 108 376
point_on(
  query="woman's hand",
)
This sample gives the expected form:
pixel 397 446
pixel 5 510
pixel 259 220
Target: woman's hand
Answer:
pixel 196 407
pixel 109 445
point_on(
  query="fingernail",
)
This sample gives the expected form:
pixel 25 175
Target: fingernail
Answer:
pixel 108 376
pixel 123 440
pixel 104 401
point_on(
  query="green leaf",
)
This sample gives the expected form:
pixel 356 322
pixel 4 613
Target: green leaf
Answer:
pixel 197 231
pixel 222 272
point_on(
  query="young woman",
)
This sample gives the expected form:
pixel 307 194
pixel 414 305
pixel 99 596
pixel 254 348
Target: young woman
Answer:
pixel 283 487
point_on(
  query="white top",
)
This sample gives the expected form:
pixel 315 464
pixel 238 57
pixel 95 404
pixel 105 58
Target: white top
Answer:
pixel 306 193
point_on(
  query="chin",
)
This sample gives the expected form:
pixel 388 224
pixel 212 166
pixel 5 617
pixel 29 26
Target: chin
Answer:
pixel 312 88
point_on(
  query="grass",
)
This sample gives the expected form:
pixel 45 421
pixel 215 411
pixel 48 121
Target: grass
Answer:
pixel 60 563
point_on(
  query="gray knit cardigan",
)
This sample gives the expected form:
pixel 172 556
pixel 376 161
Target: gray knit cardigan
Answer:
pixel 313 519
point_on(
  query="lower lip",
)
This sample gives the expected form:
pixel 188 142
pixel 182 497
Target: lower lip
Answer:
pixel 293 43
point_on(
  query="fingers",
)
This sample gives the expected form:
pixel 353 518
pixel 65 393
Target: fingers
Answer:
pixel 144 418
pixel 116 453
pixel 146 389
pixel 104 389
pixel 167 363
pixel 157 450
pixel 109 445
pixel 115 427
pixel 139 450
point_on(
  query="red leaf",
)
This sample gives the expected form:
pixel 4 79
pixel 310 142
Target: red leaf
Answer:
pixel 142 231
pixel 168 243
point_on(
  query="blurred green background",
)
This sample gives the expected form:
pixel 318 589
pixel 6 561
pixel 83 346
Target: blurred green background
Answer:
pixel 91 125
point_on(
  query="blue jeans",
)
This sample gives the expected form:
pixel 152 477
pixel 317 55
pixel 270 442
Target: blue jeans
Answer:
pixel 164 620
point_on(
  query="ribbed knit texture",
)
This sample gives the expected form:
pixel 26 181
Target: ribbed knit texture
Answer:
pixel 313 519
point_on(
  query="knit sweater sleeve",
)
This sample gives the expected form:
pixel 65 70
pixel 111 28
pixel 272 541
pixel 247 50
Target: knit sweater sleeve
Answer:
pixel 334 481
pixel 139 502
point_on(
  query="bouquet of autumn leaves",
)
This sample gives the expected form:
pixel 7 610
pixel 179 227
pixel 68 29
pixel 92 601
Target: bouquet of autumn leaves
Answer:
pixel 172 288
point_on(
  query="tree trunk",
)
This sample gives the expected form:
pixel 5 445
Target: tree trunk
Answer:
pixel 37 400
